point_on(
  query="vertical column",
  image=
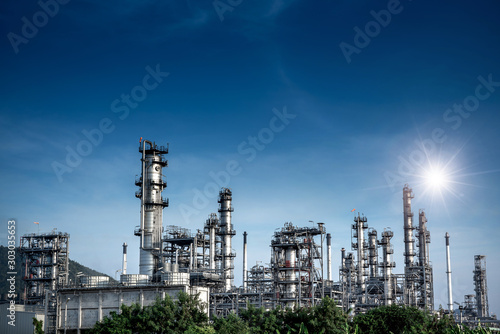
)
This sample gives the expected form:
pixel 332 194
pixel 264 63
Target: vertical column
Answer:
pixel 448 272
pixel 152 205
pixel 124 264
pixel 244 261
pixel 373 253
pixel 329 256
pixel 387 265
pixel 226 231
pixel 408 226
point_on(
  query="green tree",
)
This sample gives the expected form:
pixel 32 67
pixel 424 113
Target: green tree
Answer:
pixel 232 324
pixel 163 316
pixel 38 326
pixel 400 319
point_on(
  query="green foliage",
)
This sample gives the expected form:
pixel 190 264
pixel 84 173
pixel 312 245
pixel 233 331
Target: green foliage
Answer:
pixel 164 316
pixel 38 326
pixel 185 315
pixel 401 319
pixel 230 325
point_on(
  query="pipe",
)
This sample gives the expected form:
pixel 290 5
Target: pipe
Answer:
pixel 124 264
pixel 329 256
pixel 245 261
pixel 448 272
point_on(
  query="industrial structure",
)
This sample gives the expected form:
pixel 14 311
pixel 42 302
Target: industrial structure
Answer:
pixel 474 309
pixel 46 270
pixel 475 306
pixel 362 284
pixel 174 259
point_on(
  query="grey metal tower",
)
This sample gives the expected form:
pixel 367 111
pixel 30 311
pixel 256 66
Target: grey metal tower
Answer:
pixel 358 243
pixel 408 226
pixel 409 254
pixel 481 287
pixel 226 232
pixel 152 184
pixel 387 265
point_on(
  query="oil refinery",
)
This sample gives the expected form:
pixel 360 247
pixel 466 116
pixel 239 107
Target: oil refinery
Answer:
pixel 174 258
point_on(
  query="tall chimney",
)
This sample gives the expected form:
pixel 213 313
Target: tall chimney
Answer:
pixel 329 256
pixel 448 272
pixel 124 263
pixel 245 261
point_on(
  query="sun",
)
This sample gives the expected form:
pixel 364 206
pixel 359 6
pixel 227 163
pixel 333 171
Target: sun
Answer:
pixel 436 178
pixel 439 180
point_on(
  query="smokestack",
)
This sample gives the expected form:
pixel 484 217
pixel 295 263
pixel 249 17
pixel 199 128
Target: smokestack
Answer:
pixel 124 263
pixel 448 272
pixel 329 256
pixel 245 261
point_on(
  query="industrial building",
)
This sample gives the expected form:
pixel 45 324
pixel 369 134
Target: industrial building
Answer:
pixel 174 259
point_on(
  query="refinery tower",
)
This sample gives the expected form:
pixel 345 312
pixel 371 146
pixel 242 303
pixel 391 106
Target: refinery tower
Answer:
pixel 151 183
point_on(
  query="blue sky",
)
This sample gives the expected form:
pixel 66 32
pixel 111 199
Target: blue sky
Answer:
pixel 421 89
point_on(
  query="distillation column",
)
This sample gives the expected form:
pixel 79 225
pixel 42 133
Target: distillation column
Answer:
pixel 360 245
pixel 448 272
pixel 152 185
pixel 481 287
pixel 387 264
pixel 424 239
pixel 410 274
pixel 408 226
pixel 425 281
pixel 226 232
pixel 372 252
pixel 212 224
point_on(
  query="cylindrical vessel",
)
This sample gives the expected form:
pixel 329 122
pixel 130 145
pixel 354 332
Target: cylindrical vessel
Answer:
pixel 423 257
pixel 152 205
pixel 226 231
pixel 408 226
pixel 372 252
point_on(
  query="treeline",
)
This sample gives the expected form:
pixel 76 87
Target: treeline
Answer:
pixel 185 315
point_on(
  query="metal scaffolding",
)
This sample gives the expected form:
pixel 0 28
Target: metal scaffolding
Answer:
pixel 480 286
pixel 297 264
pixel 46 258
